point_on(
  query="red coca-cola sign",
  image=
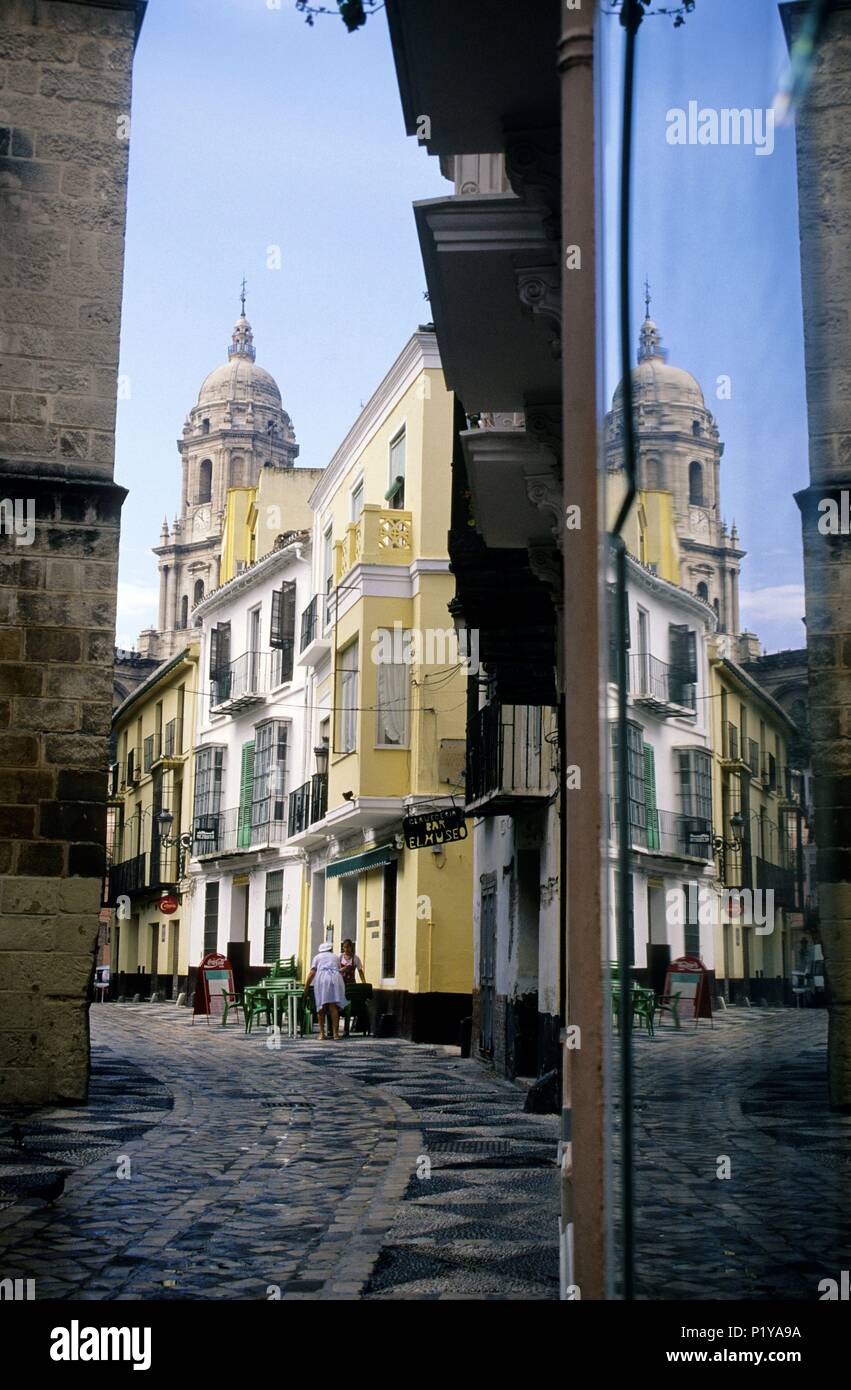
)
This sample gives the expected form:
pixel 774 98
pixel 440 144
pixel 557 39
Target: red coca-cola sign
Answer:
pixel 169 904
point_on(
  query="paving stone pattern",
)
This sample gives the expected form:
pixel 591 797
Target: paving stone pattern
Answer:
pixel 384 1170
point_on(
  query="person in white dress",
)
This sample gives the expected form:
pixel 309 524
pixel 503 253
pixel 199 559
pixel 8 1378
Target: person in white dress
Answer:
pixel 328 988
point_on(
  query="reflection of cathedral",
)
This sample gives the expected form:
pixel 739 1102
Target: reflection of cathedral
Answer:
pixel 237 426
pixel 679 454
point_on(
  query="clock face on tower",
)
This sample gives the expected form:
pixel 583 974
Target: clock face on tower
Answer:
pixel 698 521
pixel 201 521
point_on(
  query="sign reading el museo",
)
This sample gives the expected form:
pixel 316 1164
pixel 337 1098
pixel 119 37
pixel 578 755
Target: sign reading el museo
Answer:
pixel 434 828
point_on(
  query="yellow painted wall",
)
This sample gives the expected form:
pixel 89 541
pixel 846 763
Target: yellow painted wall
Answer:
pixel 135 935
pixel 236 535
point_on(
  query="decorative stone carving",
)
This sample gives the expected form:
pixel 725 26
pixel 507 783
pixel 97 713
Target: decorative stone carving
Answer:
pixel 533 167
pixel 539 290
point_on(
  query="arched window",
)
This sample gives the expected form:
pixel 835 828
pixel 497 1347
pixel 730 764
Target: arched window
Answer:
pixel 198 592
pixel 652 473
pixel 695 428
pixel 184 610
pixel 717 608
pixel 703 591
pixel 695 483
pixel 205 481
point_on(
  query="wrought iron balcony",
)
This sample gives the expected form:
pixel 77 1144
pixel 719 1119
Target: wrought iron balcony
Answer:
pixel 510 757
pixel 783 882
pixel 666 832
pixel 660 687
pixel 173 741
pixel 753 757
pixel 127 878
pixel 730 743
pixel 242 683
pixel 232 831
pixel 310 622
pixel 307 804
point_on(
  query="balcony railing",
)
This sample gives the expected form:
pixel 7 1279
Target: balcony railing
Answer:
pixel 753 757
pixel 307 804
pixel 729 742
pixel 148 753
pixel 510 756
pixel 660 686
pixel 667 832
pixel 380 536
pixel 230 831
pixel 794 787
pixel 310 622
pixel 783 882
pixel 128 877
pixel 769 771
pixel 173 741
pixel 243 682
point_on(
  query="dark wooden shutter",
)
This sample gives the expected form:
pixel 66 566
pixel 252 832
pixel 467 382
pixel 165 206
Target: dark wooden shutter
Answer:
pixel 276 633
pixel 282 635
pixel 214 652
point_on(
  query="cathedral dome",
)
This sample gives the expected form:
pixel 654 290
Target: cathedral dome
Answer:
pixel 654 380
pixel 240 379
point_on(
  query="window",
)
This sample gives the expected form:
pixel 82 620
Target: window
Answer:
pixel 268 792
pixel 211 917
pixel 205 481
pixel 635 779
pixel 356 500
pixel 695 483
pixel 347 699
pixel 388 933
pixel 282 634
pixel 205 427
pixel 183 620
pixel 682 676
pixel 328 563
pixel 703 591
pixel 272 917
pixel 207 804
pixel 392 696
pixel 220 672
pixel 695 428
pixel 197 592
pixel 694 773
pixel 181 707
pixel 691 929
pixel 395 494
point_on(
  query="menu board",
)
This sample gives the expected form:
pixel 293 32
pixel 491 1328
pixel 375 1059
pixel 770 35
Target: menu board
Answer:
pixel 215 973
pixel 688 977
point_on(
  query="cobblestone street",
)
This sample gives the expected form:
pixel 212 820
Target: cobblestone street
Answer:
pixel 386 1170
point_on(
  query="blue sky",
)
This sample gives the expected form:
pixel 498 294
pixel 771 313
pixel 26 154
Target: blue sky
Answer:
pixel 252 130
pixel 716 230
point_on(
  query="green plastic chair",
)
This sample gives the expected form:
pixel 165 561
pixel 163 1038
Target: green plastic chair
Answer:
pixel 233 1004
pixel 257 1003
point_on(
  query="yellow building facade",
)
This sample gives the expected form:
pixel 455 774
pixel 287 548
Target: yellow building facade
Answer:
pixel 757 812
pixel 388 700
pixel 150 809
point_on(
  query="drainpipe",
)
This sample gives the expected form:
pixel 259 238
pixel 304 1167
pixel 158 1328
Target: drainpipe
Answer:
pixel 583 1149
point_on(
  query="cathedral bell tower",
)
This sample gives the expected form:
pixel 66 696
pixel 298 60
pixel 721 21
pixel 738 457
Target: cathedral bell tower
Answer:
pixel 237 426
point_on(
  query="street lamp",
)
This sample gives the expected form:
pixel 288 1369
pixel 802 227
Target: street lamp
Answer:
pixel 165 821
pixel 320 753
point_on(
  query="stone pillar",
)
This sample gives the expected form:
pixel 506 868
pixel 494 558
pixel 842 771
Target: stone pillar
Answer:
pixel 65 75
pixel 824 200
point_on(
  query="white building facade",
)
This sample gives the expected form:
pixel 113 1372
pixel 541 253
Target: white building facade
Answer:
pixel 674 878
pixel 249 755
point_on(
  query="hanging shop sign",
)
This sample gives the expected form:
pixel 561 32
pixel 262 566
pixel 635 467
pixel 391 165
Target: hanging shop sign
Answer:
pixel 434 828
pixel 169 904
pixel 689 978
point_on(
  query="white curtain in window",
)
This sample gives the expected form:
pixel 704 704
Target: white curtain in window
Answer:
pixel 392 703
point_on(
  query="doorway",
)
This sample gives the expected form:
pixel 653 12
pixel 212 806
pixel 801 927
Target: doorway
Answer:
pixel 175 958
pixel 349 908
pixel 317 913
pixel 155 949
pixel 487 963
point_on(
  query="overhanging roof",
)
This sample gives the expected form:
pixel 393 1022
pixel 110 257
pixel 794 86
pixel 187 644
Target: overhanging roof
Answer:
pixel 474 69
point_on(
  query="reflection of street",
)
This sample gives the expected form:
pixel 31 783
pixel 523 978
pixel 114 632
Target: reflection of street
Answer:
pixel 752 1088
pixel 368 1168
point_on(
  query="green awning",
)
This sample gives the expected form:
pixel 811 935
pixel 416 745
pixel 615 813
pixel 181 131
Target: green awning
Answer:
pixel 359 863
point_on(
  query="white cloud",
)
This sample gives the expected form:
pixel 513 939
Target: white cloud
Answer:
pixel 774 603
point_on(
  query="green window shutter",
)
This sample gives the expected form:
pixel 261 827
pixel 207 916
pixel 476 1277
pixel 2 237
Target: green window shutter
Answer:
pixel 650 797
pixel 246 782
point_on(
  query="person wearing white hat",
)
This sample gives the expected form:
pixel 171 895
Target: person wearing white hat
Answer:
pixel 328 988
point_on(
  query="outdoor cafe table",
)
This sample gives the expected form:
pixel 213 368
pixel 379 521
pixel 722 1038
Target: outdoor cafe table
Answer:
pixel 280 991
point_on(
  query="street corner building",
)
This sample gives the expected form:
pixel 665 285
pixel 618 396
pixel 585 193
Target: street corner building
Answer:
pixel 64 132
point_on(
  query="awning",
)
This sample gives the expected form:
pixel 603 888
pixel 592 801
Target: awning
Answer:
pixel 359 863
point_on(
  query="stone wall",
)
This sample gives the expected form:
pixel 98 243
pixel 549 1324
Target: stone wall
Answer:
pixel 65 78
pixel 824 186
